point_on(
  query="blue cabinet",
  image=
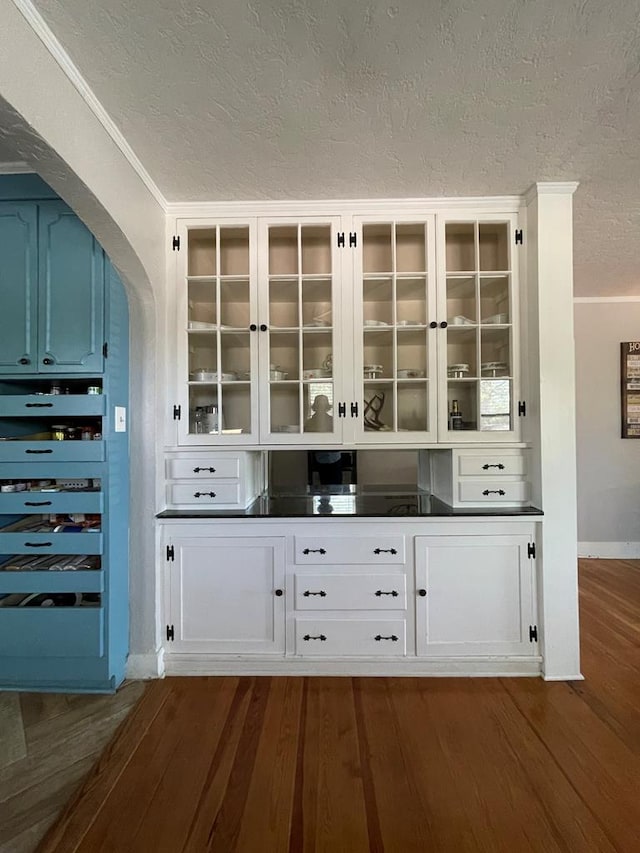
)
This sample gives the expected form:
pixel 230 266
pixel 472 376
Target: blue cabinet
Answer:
pixel 52 279
pixel 64 504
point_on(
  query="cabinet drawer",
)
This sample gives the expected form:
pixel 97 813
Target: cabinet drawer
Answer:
pixel 205 494
pixel 490 491
pixel 491 465
pixel 351 592
pixel 51 451
pixel 52 632
pixel 59 502
pixel 204 467
pixel 82 581
pixel 343 637
pixel 50 543
pixel 15 405
pixel 332 550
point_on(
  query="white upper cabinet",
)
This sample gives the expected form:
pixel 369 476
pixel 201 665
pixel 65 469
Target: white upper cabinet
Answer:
pixel 369 329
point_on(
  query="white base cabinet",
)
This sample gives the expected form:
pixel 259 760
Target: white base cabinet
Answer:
pixel 350 596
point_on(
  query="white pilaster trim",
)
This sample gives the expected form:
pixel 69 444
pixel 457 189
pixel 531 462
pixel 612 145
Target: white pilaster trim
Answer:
pixel 46 36
pixel 143 667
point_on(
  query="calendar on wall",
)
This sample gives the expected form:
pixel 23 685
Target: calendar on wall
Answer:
pixel 630 388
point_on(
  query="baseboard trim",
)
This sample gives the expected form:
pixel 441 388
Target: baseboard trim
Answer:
pixel 143 667
pixel 578 677
pixel 185 664
pixel 610 550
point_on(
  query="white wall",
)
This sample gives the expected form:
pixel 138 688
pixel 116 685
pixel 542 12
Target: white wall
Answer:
pixel 608 466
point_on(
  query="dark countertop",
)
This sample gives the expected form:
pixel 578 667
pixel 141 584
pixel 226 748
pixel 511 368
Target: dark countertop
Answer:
pixel 344 502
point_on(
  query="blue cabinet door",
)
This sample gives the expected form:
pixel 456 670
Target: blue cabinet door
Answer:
pixel 71 294
pixel 18 287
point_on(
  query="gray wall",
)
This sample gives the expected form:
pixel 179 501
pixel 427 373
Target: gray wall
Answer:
pixel 608 466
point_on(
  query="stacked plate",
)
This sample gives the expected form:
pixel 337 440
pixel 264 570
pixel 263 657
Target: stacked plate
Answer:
pixel 457 371
pixel 372 371
pixel 494 368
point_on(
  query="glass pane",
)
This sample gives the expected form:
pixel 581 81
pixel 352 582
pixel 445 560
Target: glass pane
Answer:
pixel 235 409
pixel 203 410
pixel 316 249
pixel 460 246
pixel 318 406
pixel 285 407
pixel 203 357
pixel 494 299
pixel 234 304
pixel 234 251
pixel 494 245
pixel 461 352
pixel 411 301
pixel 283 304
pixel 412 406
pixel 378 302
pixel 377 254
pixel 201 305
pixel 235 354
pixel 377 406
pixel 283 250
pixel 495 358
pixel 412 354
pixel 317 355
pixel 411 249
pixel 201 258
pixel 378 354
pixel 462 403
pixel 284 356
pixel 316 303
pixel 461 301
pixel 495 404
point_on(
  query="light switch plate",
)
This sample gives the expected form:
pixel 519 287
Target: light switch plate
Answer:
pixel 121 418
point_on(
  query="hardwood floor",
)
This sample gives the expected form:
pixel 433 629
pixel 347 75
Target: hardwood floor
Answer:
pixel 397 765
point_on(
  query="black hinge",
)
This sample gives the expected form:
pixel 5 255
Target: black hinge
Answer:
pixel 175 244
pixel 170 632
pixel 353 239
pixel 518 236
pixel 533 633
pixel 522 408
pixel 531 550
pixel 341 239
pixel 170 552
pixel 176 413
pixel 105 349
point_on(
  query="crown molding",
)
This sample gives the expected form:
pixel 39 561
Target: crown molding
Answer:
pixel 550 188
pixel 46 36
pixel 17 168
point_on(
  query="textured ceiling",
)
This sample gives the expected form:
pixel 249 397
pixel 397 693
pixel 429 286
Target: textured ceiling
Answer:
pixel 306 99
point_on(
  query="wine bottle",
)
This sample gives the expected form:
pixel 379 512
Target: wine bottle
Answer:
pixel 455 416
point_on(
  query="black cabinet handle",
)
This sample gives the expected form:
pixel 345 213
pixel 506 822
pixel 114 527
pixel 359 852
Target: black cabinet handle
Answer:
pixel 314 551
pixel 279 592
pixel 444 324
pixel 320 592
pixel 308 637
pixel 37 503
pixel 384 551
pixel 422 593
pixel 47 361
pixel 210 470
pixel 204 494
pixel 494 492
pixel 38 451
pixel 392 637
pixel 38 405
pixel 342 410
pixel 24 360
pixel 38 544
pixel 392 592
pixel 253 327
pixel 263 327
pixel 433 325
pixel 499 466
pixel 354 410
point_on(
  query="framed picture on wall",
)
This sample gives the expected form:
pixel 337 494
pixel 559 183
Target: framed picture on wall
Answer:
pixel 630 388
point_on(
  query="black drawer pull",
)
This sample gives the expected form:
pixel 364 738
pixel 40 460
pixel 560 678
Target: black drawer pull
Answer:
pixel 38 544
pixel 37 503
pixel 384 551
pixel 279 593
pixel 308 637
pixel 38 451
pixel 314 551
pixel 494 492
pixel 499 466
pixel 204 494
pixel 379 637
pixel 210 470
pixel 309 592
pixel 392 592
pixel 38 405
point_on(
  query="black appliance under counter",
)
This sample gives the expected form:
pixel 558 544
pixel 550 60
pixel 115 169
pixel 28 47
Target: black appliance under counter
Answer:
pixel 350 502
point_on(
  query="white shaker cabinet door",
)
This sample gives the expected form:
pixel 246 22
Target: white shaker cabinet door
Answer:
pixel 475 596
pixel 226 595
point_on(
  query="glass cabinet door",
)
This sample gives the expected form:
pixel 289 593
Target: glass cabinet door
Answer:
pixel 395 344
pixel 299 340
pixel 218 355
pixel 478 348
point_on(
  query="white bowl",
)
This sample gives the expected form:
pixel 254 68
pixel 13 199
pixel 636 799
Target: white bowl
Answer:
pixel 496 318
pixel 203 376
pixel 316 373
pixel 411 373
